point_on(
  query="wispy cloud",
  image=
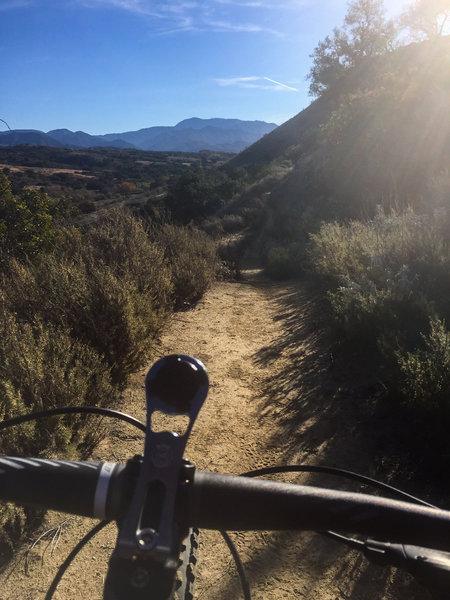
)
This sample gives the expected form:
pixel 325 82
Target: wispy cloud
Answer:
pixel 282 85
pixel 254 82
pixel 138 7
pixel 244 4
pixel 239 27
pixel 171 16
pixel 239 81
pixel 11 4
pixel 269 4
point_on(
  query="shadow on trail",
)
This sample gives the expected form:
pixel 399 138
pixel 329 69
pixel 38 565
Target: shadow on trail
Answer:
pixel 310 397
pixel 330 403
pixel 324 413
pixel 317 560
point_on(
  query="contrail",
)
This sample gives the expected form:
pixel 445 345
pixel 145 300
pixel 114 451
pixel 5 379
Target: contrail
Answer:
pixel 288 87
pixel 6 124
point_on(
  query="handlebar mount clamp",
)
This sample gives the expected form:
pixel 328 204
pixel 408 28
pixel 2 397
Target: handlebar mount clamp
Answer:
pixel 147 550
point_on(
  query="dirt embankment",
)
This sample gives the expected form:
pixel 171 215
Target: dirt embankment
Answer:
pixel 276 396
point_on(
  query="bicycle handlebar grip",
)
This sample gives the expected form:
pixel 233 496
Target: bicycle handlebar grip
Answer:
pixel 81 488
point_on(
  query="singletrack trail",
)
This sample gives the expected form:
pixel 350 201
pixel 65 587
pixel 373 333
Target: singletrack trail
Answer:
pixel 276 396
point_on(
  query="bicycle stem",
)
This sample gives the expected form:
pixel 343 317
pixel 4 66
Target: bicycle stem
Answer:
pixel 146 556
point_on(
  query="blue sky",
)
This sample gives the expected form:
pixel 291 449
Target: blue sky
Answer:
pixel 106 66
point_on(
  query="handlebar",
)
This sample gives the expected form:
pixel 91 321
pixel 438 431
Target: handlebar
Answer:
pixel 225 502
pixel 156 498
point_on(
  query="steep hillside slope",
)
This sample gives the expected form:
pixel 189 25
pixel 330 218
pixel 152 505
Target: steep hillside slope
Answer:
pixel 379 138
pixel 274 145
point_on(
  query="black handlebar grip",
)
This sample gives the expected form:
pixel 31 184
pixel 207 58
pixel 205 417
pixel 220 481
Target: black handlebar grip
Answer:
pixel 81 488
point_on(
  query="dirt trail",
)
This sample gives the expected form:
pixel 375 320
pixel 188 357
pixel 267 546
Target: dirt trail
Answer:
pixel 276 396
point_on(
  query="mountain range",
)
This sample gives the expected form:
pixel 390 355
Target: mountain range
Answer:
pixel 190 135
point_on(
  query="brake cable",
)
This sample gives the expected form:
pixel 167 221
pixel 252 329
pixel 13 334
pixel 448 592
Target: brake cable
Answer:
pixel 69 410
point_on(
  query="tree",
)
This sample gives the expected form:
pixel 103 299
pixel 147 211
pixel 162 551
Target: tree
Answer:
pixel 329 62
pixel 198 193
pixel 28 221
pixel 427 19
pixel 370 33
pixel 365 33
pixel 127 187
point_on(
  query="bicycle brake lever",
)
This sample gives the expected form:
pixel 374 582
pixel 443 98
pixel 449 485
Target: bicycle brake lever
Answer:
pixel 430 567
pixel 149 539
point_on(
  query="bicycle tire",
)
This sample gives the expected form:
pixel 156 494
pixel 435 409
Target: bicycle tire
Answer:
pixel 185 579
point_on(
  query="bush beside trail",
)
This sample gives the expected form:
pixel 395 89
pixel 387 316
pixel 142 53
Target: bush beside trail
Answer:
pixel 192 259
pixel 107 295
pixel 389 288
pixel 79 315
pixel 110 290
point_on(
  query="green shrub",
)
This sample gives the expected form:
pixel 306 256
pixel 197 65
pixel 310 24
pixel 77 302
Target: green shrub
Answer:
pixel 114 316
pixel 87 206
pixel 213 227
pixel 42 367
pixel 192 258
pixel 78 319
pixel 283 262
pixel 121 243
pixel 395 266
pixel 197 193
pixel 278 263
pixel 111 289
pixel 28 221
pixel 230 253
pixel 437 192
pixel 232 223
pixel 387 279
pixel 217 227
pixel 425 373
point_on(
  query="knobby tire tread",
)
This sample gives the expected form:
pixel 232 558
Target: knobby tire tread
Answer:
pixel 185 580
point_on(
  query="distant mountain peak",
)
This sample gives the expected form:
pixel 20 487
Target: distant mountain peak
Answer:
pixel 197 123
pixel 59 131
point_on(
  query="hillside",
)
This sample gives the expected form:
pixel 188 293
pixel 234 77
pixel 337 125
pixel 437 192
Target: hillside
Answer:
pixel 276 143
pixel 190 135
pixel 385 128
